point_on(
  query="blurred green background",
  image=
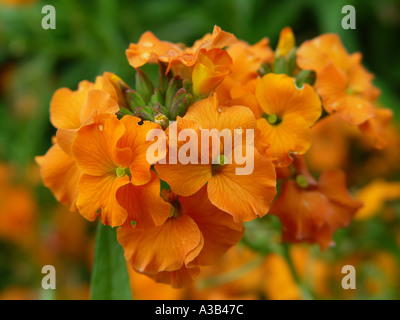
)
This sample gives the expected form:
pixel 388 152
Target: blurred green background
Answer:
pixel 91 37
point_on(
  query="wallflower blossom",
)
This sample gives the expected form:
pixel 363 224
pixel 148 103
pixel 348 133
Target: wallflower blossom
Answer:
pixel 182 208
pixel 111 155
pixel 344 85
pixel 289 112
pixel 250 194
pixel 191 237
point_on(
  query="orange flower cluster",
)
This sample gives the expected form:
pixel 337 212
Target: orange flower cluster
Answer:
pixel 174 217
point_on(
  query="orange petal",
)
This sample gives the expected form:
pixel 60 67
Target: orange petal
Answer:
pixel 331 84
pixel 375 127
pixel 279 95
pixel 143 203
pixel 178 278
pixel 333 184
pixel 315 54
pixel 135 139
pixel 302 212
pixel 97 102
pixel 244 196
pixel 210 115
pixel 290 136
pixel 212 223
pixel 65 108
pixel 60 174
pixel 210 69
pixel 162 248
pixel 95 147
pixel 97 197
pixel 65 139
pixel 185 179
pixel 149 49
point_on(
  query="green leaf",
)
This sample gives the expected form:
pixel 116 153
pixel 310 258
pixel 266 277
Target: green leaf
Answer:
pixel 110 280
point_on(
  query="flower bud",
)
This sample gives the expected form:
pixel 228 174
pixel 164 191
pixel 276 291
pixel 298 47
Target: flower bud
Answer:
pixel 180 103
pixel 144 86
pixel 134 99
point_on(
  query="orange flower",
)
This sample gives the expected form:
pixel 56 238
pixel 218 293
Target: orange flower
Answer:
pixel 243 196
pixel 210 69
pixel 17 210
pixel 151 50
pixel 69 110
pixel 374 195
pixel 188 57
pixel 312 211
pixel 376 128
pixel 247 60
pixel 117 183
pixel 289 112
pixel 342 82
pixel 330 144
pixel 191 237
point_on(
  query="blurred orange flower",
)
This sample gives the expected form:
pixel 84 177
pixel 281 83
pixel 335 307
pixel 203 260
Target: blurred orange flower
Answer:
pixel 312 211
pixel 342 82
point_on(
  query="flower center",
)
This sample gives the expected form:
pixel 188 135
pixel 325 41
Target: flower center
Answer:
pixel 120 172
pixel 272 119
pixel 302 181
pixel 218 162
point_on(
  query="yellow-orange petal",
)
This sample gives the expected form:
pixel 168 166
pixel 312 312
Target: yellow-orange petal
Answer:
pixel 290 136
pixel 286 42
pixel 210 69
pixel 279 95
pixel 162 248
